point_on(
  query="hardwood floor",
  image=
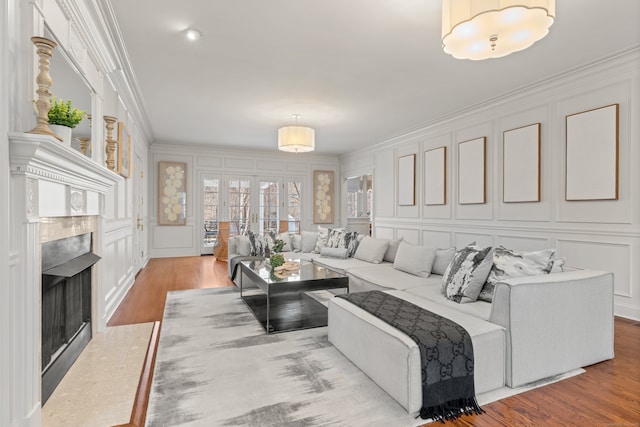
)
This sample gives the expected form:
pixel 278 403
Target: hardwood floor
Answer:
pixel 608 394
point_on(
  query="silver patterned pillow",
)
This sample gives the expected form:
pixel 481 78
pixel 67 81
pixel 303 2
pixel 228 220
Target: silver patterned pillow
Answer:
pixel 508 263
pixel 466 273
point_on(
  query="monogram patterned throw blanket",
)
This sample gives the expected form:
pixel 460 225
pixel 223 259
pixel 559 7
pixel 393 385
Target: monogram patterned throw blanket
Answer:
pixel 446 353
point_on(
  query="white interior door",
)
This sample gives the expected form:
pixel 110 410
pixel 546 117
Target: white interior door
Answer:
pixel 138 211
pixel 211 210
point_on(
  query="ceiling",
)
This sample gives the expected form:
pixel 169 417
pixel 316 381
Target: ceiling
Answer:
pixel 359 71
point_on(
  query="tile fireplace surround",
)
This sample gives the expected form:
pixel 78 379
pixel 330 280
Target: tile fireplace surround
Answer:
pixel 56 192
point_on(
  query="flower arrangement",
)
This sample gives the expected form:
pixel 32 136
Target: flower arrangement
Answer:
pixel 278 245
pixel 63 114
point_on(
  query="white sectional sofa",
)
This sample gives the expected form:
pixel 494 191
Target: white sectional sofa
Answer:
pixel 535 327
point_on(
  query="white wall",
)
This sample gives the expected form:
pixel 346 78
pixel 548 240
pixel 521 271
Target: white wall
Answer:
pixel 601 235
pixel 170 241
pixel 87 42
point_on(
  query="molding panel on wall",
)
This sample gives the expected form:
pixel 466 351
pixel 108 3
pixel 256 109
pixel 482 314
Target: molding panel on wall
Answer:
pixel 592 234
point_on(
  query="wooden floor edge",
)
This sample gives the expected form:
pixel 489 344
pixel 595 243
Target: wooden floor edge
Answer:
pixel 139 410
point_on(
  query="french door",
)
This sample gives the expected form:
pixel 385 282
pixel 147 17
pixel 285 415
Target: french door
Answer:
pixel 256 203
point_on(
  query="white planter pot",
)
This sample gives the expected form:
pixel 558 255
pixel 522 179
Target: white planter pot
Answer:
pixel 63 132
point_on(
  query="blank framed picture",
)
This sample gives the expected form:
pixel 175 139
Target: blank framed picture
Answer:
pixel 592 154
pixel 471 171
pixel 435 176
pixel 521 164
pixel 407 180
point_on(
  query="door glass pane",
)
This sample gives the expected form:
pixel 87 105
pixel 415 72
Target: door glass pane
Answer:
pixel 211 202
pixel 268 211
pixel 293 205
pixel 239 205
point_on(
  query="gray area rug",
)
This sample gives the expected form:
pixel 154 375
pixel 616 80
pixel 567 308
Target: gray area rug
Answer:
pixel 216 367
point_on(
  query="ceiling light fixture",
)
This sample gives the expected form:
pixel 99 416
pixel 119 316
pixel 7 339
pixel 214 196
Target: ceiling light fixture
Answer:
pixel 296 139
pixel 482 29
pixel 192 34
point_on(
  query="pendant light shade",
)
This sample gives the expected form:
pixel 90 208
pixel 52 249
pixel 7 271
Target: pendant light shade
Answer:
pixel 296 139
pixel 482 29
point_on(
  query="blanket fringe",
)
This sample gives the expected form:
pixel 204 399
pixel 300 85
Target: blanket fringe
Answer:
pixel 451 410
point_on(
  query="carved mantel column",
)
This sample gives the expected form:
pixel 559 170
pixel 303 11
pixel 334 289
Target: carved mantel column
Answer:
pixel 111 143
pixel 43 103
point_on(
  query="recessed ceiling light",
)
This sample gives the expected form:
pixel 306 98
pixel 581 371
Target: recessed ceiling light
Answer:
pixel 192 34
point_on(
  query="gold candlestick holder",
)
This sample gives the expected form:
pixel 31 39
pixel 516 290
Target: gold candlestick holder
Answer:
pixel 111 143
pixel 43 104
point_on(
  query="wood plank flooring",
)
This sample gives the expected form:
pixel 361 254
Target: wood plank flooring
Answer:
pixel 608 394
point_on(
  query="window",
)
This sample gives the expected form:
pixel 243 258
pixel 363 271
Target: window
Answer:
pixel 210 207
pixel 239 205
pixel 294 203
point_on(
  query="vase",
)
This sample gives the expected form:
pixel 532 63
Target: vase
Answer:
pixel 64 132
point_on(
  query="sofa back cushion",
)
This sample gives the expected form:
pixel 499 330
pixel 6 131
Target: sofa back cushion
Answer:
pixel 327 252
pixel 466 274
pixel 286 238
pixel 416 260
pixel 443 259
pixel 243 245
pixel 508 263
pixel 371 249
pixel 392 250
pixel 308 241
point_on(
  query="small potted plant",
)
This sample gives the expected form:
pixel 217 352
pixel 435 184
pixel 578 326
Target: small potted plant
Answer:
pixel 63 117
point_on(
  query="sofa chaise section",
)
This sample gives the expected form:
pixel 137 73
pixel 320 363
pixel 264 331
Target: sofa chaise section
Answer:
pixel 392 359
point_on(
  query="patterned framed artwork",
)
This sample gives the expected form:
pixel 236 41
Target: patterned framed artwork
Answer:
pixel 521 164
pixel 407 180
pixel 172 193
pixel 592 154
pixel 323 183
pixel 124 150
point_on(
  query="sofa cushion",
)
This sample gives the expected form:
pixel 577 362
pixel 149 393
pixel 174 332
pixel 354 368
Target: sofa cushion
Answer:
pixel 260 244
pixel 371 250
pixel 431 290
pixel 443 259
pixel 328 252
pixel 243 245
pixel 384 276
pixel 508 263
pixel 296 242
pixel 413 259
pixel 392 250
pixel 286 238
pixel 341 265
pixel 341 238
pixel 466 274
pixel 308 241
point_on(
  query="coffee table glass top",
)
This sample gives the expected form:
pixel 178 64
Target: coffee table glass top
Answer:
pixel 306 272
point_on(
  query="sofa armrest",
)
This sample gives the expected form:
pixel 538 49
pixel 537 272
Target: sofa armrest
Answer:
pixel 555 322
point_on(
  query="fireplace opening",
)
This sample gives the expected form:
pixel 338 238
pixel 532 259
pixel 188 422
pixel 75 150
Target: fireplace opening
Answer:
pixel 66 306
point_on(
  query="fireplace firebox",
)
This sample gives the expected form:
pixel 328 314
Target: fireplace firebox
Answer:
pixel 66 306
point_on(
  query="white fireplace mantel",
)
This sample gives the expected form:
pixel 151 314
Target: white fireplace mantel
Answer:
pixel 53 181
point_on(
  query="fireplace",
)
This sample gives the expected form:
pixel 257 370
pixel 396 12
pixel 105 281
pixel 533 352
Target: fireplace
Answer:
pixel 66 305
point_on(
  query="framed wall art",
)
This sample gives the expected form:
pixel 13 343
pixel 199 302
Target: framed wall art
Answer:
pixel 323 183
pixel 172 193
pixel 124 150
pixel 435 176
pixel 521 164
pixel 592 154
pixel 471 171
pixel 407 180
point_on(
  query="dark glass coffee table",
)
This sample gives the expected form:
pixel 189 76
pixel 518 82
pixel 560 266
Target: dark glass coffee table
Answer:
pixel 282 304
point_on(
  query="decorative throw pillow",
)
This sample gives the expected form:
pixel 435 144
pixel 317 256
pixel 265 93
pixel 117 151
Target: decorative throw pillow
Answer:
pixel 286 238
pixel 416 260
pixel 308 241
pixel 443 259
pixel 371 249
pixel 353 242
pixel 336 238
pixel 296 242
pixel 466 274
pixel 259 245
pixel 244 245
pixel 508 263
pixel 322 237
pixel 394 244
pixel 327 252
pixel 558 265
